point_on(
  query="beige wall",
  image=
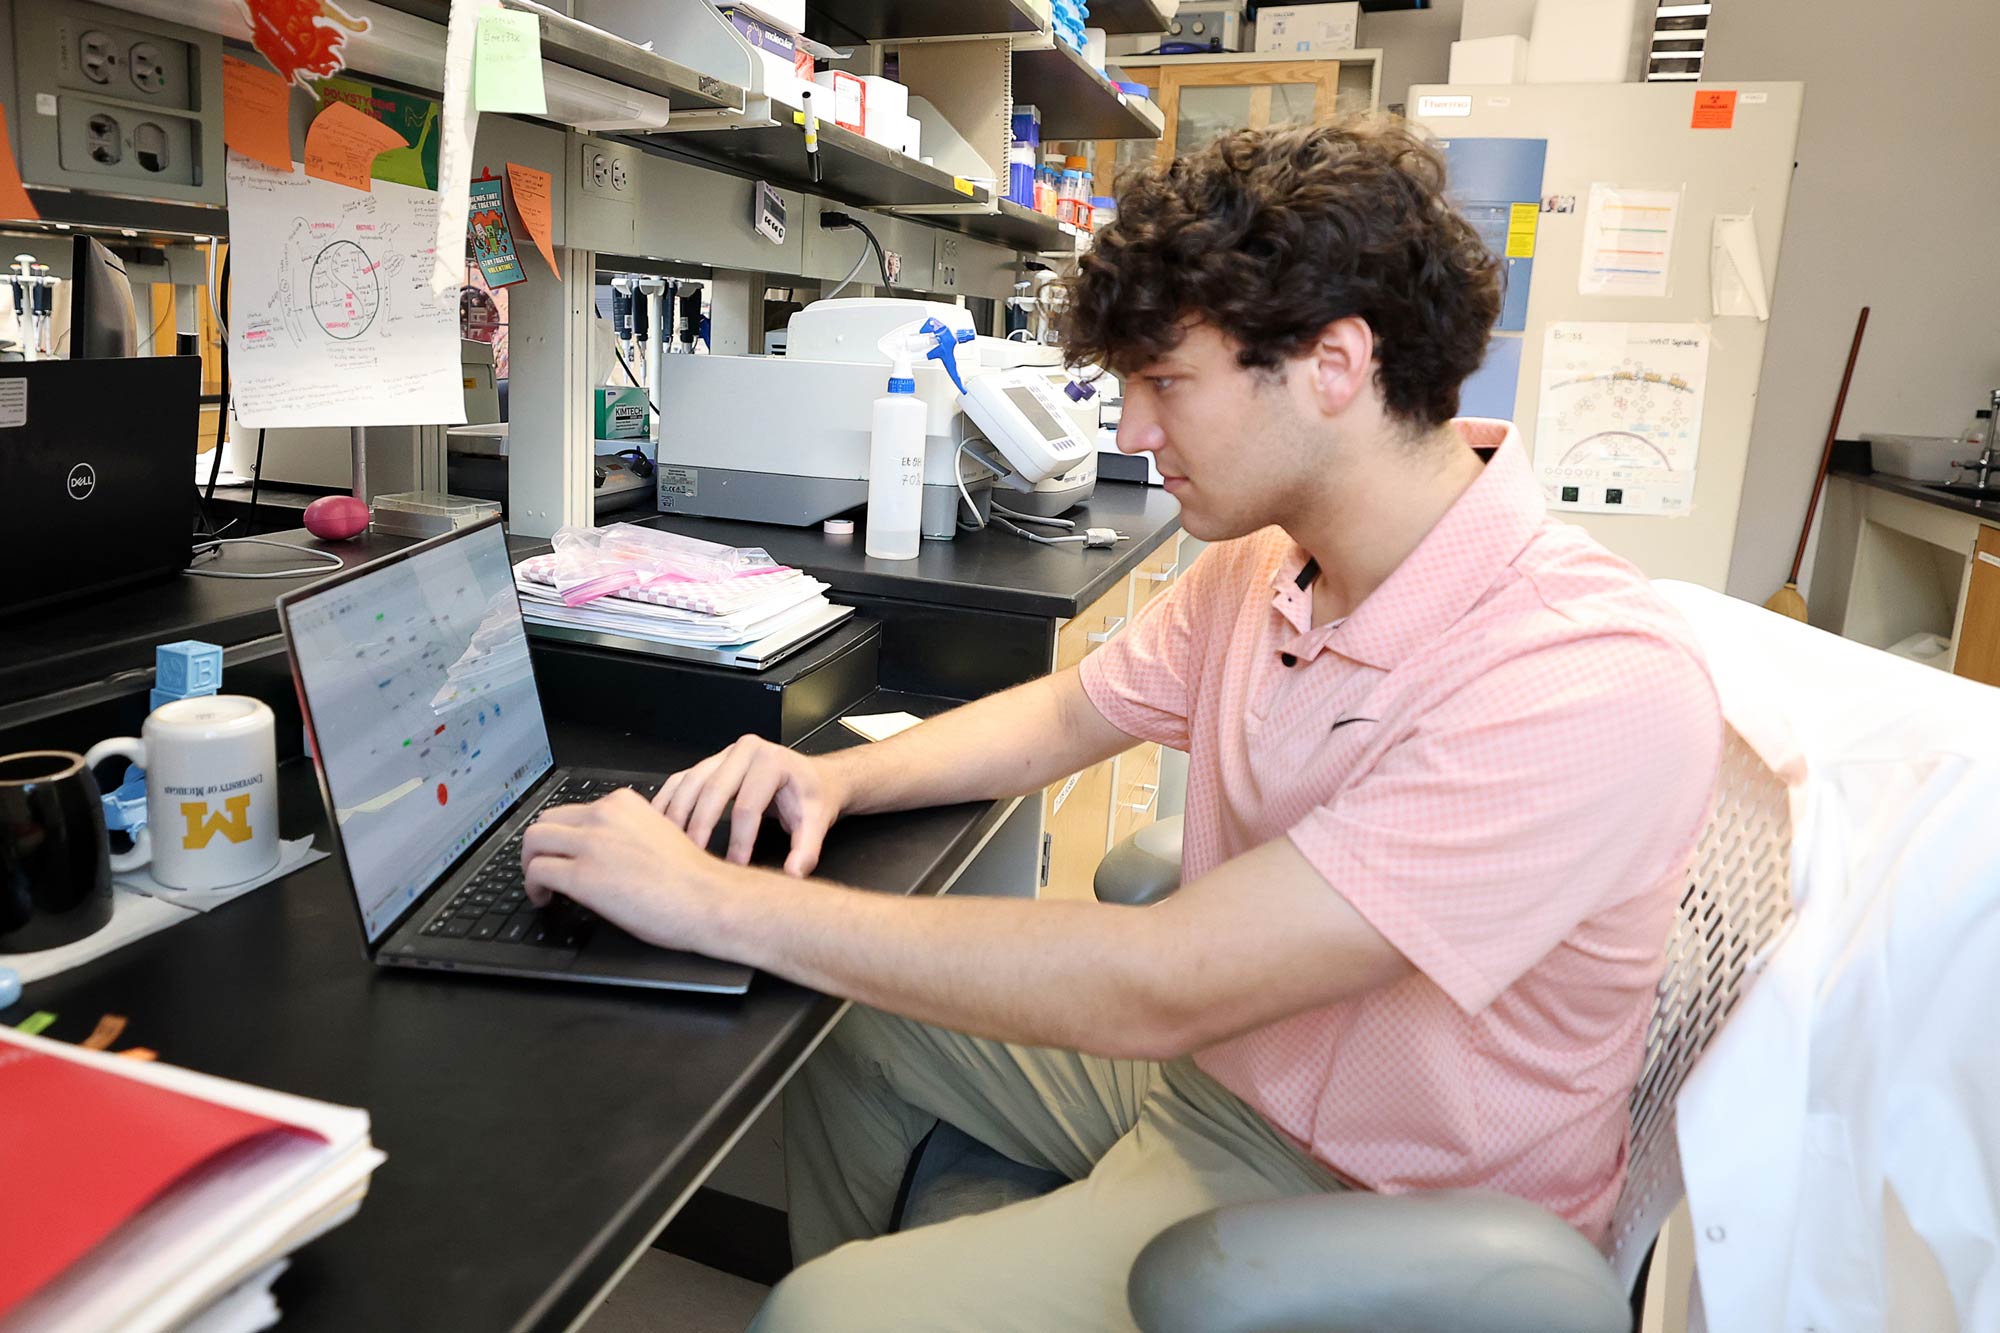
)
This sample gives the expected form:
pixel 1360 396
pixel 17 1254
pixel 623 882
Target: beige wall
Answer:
pixel 1896 205
pixel 1415 44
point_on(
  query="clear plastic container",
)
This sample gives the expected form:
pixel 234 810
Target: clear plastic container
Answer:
pixel 1070 197
pixel 426 513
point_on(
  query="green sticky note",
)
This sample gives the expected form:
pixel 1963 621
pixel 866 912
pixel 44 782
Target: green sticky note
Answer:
pixel 507 63
pixel 36 1023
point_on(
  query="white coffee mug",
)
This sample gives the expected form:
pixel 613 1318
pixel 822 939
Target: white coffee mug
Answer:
pixel 211 791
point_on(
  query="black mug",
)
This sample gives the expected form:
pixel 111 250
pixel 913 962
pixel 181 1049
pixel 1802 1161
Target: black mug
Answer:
pixel 55 857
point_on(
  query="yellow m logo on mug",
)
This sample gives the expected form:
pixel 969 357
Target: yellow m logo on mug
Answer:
pixel 234 824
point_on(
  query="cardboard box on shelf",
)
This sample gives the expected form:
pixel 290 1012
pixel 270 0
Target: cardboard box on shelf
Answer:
pixel 1309 29
pixel 787 65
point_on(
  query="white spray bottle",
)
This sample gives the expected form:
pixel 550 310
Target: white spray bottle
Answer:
pixel 896 461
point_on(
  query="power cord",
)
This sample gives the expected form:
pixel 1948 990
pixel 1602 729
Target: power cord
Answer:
pixel 847 281
pixel 214 548
pixel 1005 518
pixel 222 376
pixel 256 477
pixel 626 366
pixel 835 220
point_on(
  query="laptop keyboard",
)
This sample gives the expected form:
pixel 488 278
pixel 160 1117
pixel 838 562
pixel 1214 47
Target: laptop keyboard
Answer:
pixel 493 904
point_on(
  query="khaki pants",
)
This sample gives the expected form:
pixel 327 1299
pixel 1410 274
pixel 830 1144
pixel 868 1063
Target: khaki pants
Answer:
pixel 1145 1145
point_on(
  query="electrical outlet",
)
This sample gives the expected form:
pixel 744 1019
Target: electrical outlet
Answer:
pixel 946 266
pixel 107 139
pixel 117 103
pixel 111 60
pixel 606 171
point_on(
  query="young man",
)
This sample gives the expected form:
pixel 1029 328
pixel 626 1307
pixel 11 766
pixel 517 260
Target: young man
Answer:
pixel 1447 761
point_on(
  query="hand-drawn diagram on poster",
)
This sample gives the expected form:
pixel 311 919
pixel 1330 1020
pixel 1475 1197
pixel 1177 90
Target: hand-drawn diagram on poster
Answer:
pixel 332 320
pixel 1619 426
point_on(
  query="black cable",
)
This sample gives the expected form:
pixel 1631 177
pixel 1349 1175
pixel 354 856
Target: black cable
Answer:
pixel 831 220
pixel 634 378
pixel 222 369
pixel 256 476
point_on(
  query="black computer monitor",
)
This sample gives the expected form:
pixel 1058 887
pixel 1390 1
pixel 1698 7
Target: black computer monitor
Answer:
pixel 102 321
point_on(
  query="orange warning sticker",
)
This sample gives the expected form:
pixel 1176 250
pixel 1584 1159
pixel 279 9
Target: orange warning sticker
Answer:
pixel 1714 109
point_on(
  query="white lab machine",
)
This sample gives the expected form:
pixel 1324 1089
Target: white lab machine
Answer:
pixel 786 439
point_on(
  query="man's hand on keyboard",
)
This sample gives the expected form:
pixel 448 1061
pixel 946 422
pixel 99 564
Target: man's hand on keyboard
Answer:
pixel 620 859
pixel 745 780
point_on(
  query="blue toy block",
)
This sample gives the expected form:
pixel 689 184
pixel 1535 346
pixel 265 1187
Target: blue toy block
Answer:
pixel 190 667
pixel 168 696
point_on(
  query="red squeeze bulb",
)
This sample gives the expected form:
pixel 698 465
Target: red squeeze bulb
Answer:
pixel 335 518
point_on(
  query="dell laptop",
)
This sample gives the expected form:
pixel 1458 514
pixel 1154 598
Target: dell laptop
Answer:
pixel 96 471
pixel 433 759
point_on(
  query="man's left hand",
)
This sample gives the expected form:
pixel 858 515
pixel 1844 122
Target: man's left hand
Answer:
pixel 627 863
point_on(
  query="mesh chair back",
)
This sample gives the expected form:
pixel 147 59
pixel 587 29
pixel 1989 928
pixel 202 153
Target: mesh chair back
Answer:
pixel 1738 900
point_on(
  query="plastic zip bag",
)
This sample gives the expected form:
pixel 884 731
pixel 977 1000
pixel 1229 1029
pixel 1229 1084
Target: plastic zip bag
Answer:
pixel 595 562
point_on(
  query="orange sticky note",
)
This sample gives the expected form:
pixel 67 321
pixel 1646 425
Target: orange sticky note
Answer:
pixel 257 113
pixel 1714 108
pixel 531 201
pixel 343 143
pixel 15 206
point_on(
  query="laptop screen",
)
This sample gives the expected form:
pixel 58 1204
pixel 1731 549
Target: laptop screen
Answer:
pixel 423 706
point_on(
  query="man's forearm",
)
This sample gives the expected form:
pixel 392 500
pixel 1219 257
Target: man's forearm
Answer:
pixel 1075 975
pixel 1007 744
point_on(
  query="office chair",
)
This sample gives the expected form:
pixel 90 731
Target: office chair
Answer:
pixel 1453 1259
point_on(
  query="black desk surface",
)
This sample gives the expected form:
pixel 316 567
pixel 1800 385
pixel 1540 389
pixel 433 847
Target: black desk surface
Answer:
pixel 993 570
pixel 94 638
pixel 537 1134
pixel 1917 490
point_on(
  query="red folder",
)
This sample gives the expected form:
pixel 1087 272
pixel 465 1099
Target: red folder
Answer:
pixel 82 1151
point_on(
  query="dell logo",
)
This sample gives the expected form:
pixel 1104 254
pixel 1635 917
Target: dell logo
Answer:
pixel 82 481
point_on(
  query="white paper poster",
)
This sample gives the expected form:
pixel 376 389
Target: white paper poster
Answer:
pixel 1618 430
pixel 332 317
pixel 458 122
pixel 1628 241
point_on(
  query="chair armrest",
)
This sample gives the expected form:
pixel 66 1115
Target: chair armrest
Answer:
pixel 1144 868
pixel 1375 1263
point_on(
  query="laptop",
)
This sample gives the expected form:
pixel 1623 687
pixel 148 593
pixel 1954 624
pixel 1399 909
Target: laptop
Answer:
pixel 97 468
pixel 433 758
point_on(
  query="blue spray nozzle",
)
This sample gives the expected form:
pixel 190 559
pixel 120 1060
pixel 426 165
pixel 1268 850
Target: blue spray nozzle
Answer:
pixel 944 346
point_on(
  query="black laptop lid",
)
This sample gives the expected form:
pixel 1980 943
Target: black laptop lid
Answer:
pixel 97 463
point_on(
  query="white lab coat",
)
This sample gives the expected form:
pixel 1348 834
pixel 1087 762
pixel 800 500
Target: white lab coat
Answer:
pixel 1869 1049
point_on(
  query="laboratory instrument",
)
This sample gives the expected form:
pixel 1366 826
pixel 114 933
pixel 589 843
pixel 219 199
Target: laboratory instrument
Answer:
pixel 786 439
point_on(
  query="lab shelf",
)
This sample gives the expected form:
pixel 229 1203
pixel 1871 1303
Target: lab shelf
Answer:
pixel 1077 102
pixel 1119 17
pixel 853 169
pixel 590 50
pixel 1013 226
pixel 904 20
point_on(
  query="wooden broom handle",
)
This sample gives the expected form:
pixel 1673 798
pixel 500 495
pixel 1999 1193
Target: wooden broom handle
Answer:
pixel 1826 452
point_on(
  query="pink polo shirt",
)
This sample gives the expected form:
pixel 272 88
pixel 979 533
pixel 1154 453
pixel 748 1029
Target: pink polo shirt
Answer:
pixel 1503 759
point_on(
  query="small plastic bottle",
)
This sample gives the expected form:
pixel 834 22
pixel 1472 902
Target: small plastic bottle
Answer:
pixel 896 468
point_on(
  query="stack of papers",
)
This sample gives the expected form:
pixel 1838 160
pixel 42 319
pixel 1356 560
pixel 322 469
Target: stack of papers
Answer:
pixel 781 608
pixel 140 1195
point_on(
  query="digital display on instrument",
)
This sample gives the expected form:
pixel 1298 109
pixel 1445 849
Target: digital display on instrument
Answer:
pixel 1038 416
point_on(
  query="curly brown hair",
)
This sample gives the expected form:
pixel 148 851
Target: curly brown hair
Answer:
pixel 1271 235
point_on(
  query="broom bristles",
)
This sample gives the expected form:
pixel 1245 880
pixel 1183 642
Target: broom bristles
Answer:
pixel 1787 602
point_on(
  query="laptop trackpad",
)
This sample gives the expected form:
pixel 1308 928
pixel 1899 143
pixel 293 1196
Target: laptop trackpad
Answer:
pixel 612 953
